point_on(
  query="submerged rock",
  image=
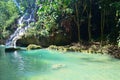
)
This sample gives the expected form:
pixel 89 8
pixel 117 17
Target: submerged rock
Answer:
pixel 58 66
pixel 33 47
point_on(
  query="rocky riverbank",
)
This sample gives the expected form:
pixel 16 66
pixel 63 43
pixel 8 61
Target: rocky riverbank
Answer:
pixel 92 48
pixel 95 47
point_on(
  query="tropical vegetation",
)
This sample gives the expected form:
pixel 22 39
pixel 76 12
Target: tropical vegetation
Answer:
pixel 81 20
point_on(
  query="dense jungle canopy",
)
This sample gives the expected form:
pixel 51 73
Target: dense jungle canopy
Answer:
pixel 76 20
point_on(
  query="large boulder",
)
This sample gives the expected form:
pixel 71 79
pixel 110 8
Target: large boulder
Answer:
pixel 56 38
pixel 25 41
pixel 33 47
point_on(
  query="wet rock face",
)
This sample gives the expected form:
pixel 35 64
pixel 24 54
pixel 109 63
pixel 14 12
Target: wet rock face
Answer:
pixel 25 41
pixel 57 39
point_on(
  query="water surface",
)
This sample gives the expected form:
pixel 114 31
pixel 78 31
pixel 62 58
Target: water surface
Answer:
pixel 53 65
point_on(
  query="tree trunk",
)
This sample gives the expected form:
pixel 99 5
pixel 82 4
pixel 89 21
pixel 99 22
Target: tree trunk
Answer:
pixel 89 22
pixel 78 21
pixel 102 26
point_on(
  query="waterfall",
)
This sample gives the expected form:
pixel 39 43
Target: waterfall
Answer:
pixel 23 22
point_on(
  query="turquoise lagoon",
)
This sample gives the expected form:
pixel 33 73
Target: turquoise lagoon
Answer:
pixel 46 64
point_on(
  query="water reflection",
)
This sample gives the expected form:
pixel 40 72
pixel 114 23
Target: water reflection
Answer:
pixel 2 50
pixel 18 59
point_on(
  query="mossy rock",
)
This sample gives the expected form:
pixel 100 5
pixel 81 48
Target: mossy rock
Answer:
pixel 26 40
pixel 52 47
pixel 33 47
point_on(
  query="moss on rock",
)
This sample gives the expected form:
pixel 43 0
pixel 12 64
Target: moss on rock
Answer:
pixel 33 47
pixel 94 48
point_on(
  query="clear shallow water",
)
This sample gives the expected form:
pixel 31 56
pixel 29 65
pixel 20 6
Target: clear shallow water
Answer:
pixel 52 65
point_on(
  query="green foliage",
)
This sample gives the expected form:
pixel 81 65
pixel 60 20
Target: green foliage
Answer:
pixel 49 12
pixel 8 14
pixel 116 32
pixel 25 4
pixel 116 6
pixel 52 14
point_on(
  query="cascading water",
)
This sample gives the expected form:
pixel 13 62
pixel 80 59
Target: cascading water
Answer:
pixel 27 18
